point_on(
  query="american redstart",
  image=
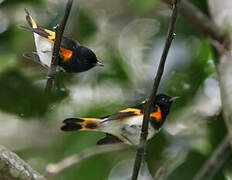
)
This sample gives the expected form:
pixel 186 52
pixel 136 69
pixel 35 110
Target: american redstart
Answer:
pixel 73 57
pixel 125 125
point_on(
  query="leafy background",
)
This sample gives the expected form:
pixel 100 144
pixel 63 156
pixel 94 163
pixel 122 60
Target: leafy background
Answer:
pixel 128 37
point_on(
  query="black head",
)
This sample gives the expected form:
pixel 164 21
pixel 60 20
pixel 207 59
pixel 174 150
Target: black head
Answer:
pixel 88 57
pixel 164 102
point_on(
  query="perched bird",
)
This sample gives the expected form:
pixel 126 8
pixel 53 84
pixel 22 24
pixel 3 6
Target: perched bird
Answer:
pixel 125 125
pixel 73 57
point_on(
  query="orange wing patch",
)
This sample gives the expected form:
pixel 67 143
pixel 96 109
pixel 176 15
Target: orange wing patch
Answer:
pixel 134 110
pixel 52 34
pixel 157 115
pixel 91 119
pixel 66 53
pixel 34 25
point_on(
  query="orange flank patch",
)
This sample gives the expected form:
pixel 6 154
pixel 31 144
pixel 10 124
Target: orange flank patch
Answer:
pixel 52 34
pixel 157 115
pixel 66 53
pixel 134 110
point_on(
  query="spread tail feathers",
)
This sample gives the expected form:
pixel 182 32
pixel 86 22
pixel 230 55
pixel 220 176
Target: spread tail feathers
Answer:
pixel 72 124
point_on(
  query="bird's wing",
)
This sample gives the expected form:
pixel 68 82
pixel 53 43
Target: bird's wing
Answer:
pixel 35 57
pixel 108 139
pixel 125 113
pixel 134 111
pixel 48 34
pixel 66 43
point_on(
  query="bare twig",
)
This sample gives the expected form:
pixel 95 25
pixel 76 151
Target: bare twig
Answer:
pixel 148 105
pixel 221 49
pixel 14 168
pixel 59 29
pixel 57 168
pixel 215 161
pixel 201 21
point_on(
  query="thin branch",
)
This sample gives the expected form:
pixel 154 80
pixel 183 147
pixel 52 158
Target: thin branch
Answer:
pixel 13 167
pixel 148 105
pixel 201 21
pixel 212 165
pixel 57 168
pixel 221 49
pixel 59 29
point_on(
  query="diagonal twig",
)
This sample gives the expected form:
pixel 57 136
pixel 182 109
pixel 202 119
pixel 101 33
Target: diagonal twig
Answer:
pixel 216 160
pixel 59 29
pixel 148 105
pixel 221 49
pixel 57 168
pixel 201 21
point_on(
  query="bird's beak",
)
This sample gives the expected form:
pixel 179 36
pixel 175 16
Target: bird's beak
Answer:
pixel 173 98
pixel 99 64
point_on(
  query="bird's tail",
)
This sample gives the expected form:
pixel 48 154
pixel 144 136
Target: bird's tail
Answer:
pixel 31 22
pixel 72 124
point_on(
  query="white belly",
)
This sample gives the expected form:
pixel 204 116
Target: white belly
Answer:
pixel 44 49
pixel 128 130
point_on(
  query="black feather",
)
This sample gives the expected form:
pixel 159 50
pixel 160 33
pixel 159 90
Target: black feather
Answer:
pixel 108 139
pixel 119 115
pixel 71 124
pixel 35 57
pixel 28 18
pixel 73 120
pixel 26 28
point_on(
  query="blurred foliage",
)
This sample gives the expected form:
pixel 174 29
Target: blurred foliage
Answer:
pixel 119 74
pixel 86 26
pixel 202 5
pixel 185 84
pixel 102 91
pixel 20 96
pixel 15 2
pixel 143 5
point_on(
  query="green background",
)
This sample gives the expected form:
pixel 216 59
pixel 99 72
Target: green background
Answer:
pixel 128 37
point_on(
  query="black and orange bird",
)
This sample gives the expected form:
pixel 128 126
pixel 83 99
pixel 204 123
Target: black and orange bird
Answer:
pixel 73 57
pixel 124 125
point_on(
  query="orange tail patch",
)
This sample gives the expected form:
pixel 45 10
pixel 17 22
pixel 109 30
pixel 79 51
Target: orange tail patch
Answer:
pixel 72 124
